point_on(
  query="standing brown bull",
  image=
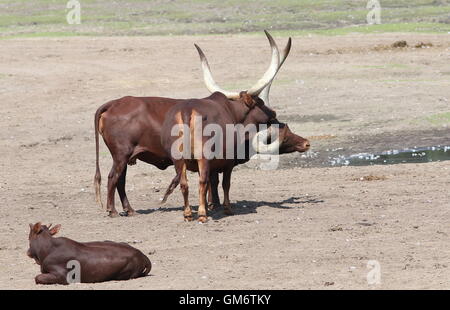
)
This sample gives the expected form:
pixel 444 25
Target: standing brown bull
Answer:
pixel 190 149
pixel 131 128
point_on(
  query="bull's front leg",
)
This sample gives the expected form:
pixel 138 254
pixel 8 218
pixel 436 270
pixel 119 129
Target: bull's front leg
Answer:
pixel 50 278
pixel 203 173
pixel 213 194
pixel 226 183
pixel 187 211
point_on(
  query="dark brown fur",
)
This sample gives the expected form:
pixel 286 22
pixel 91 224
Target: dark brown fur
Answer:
pixel 99 261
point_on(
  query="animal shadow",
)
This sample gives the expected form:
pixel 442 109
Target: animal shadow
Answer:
pixel 159 209
pixel 243 207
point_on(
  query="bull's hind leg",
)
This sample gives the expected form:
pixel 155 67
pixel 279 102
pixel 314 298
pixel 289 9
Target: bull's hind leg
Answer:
pixel 113 178
pixel 203 175
pixel 123 195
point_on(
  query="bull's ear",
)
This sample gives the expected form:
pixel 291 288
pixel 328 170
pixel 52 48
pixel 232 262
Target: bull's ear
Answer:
pixel 37 228
pixel 247 99
pixel 55 229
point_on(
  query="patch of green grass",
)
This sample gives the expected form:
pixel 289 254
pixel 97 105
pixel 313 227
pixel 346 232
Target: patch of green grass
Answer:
pixel 398 66
pixel 439 119
pixel 414 27
pixel 202 17
pixel 336 16
pixel 44 35
pixel 20 20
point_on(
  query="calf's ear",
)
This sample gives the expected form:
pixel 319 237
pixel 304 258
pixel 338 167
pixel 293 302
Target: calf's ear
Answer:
pixel 37 228
pixel 55 229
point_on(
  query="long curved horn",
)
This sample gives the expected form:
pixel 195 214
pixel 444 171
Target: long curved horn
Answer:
pixel 209 81
pixel 264 95
pixel 259 142
pixel 268 76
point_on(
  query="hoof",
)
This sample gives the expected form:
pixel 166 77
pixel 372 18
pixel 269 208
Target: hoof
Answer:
pixel 113 214
pixel 130 213
pixel 202 219
pixel 188 218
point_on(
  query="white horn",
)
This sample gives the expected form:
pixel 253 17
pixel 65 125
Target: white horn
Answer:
pixel 260 139
pixel 268 76
pixel 264 95
pixel 209 81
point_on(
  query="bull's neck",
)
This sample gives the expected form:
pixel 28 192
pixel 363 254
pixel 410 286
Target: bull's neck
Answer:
pixel 239 110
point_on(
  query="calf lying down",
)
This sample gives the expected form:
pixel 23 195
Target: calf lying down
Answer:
pixel 87 262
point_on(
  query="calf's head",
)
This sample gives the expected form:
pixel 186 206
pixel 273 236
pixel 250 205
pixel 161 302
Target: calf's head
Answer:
pixel 40 239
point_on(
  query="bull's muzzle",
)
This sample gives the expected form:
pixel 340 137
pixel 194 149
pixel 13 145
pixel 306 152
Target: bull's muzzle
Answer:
pixel 304 146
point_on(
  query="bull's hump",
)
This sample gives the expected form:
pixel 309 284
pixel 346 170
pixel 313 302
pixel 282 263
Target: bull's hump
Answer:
pixel 217 96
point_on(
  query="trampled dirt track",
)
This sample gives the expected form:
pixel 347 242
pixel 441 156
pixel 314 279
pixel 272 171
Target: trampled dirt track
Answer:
pixel 296 227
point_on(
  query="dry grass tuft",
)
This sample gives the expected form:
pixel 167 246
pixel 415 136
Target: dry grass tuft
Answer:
pixel 371 178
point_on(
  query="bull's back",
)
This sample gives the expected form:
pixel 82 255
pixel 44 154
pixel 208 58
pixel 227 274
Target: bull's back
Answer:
pixel 136 115
pixel 136 123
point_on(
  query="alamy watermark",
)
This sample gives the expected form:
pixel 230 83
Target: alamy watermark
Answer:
pixel 74 273
pixel 235 141
pixel 374 15
pixel 73 16
pixel 374 274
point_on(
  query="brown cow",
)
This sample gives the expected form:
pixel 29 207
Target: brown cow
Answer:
pixel 98 261
pixel 131 128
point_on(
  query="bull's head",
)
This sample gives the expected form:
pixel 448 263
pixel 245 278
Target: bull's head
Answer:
pixel 285 141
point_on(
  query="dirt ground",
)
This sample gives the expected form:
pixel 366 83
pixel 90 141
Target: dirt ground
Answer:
pixel 303 226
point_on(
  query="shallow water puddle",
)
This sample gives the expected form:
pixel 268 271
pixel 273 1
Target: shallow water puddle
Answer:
pixel 414 155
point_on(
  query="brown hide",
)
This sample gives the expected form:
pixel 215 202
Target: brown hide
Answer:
pixel 99 261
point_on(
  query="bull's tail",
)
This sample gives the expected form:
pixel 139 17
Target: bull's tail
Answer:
pixel 98 177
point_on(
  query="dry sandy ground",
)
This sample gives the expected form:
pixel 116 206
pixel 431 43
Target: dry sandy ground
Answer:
pixel 297 227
